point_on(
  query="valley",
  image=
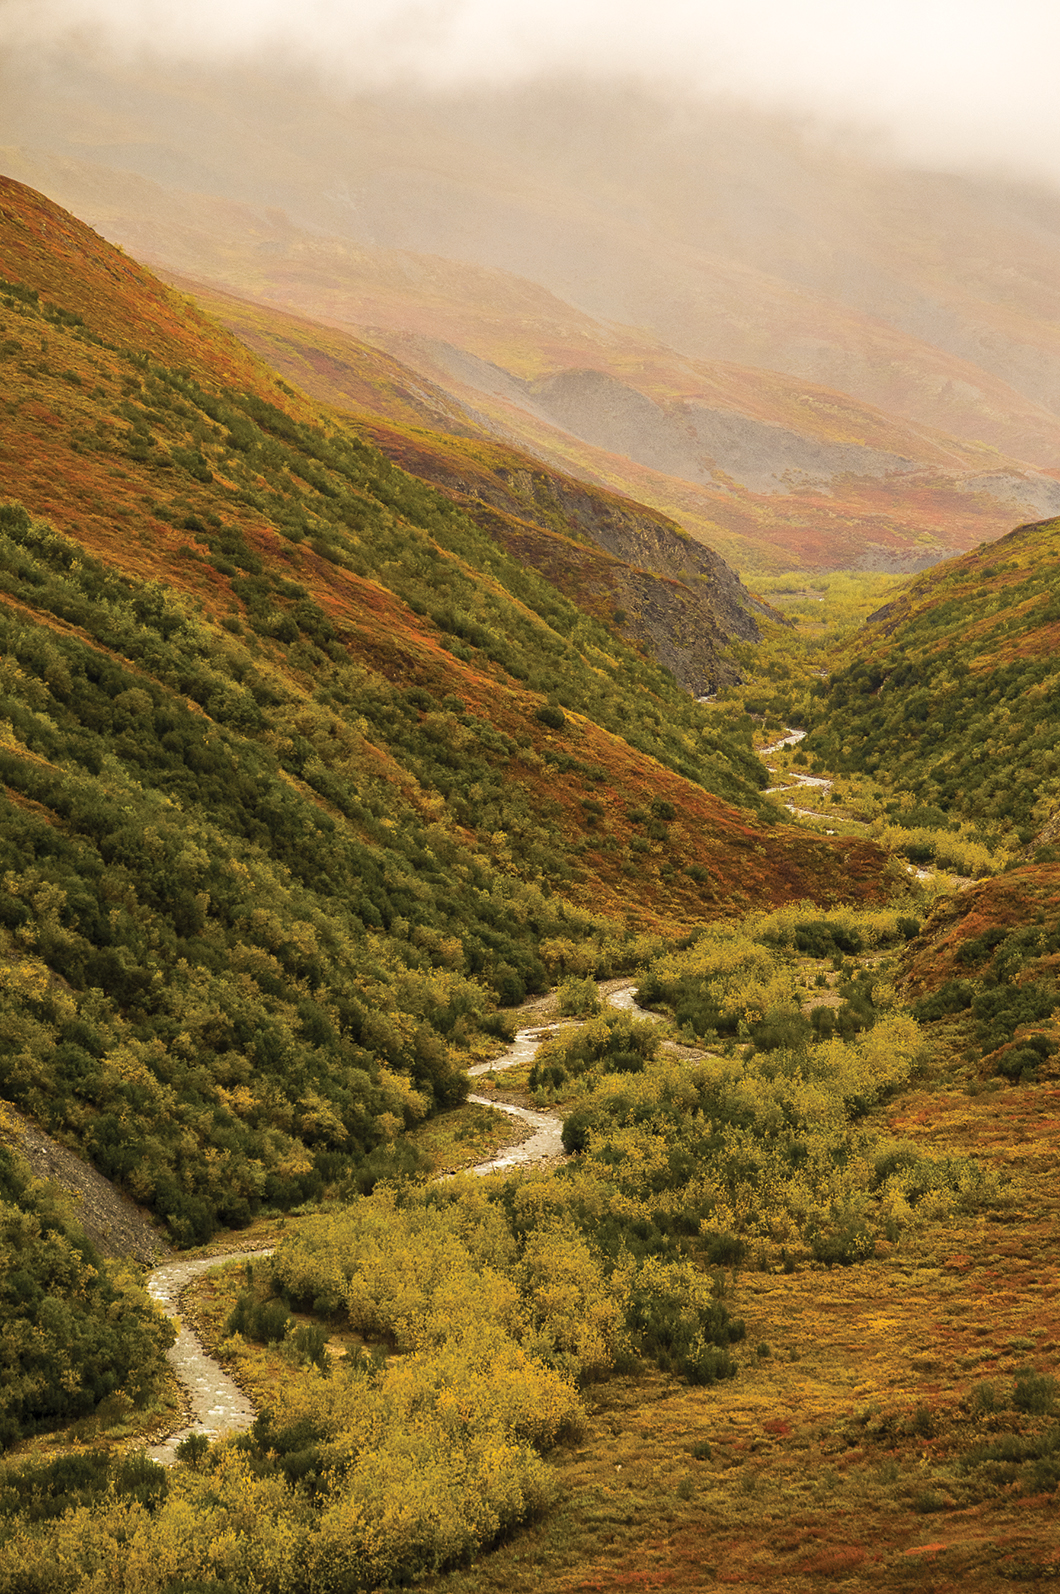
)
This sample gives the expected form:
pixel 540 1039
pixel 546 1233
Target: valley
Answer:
pixel 847 1433
pixel 585 1023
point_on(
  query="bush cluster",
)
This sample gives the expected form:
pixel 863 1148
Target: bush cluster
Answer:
pixel 610 1043
pixel 72 1329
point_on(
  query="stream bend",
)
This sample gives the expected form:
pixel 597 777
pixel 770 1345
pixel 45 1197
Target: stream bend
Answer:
pixel 217 1403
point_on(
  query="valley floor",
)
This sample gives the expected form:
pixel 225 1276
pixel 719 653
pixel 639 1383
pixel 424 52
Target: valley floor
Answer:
pixel 835 1459
pixel 847 1454
pixel 798 1475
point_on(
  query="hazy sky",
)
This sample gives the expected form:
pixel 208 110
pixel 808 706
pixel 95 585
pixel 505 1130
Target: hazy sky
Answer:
pixel 948 79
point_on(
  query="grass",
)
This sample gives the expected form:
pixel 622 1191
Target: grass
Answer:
pixel 834 1461
pixel 465 1136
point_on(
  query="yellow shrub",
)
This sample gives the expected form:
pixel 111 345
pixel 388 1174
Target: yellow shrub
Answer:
pixel 572 1309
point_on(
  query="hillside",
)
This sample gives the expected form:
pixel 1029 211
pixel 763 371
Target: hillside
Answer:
pixel 303 773
pixel 610 555
pixel 631 567
pixel 946 703
pixel 323 746
pixel 305 779
pixel 950 691
pixel 984 974
pixel 775 470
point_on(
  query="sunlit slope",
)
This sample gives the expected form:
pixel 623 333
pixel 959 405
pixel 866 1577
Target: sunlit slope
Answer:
pixel 951 691
pixel 302 773
pixel 121 456
pixel 774 470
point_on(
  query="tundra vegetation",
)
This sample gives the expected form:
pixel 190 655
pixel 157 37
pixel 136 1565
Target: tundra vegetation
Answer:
pixel 482 1317
pixel 306 786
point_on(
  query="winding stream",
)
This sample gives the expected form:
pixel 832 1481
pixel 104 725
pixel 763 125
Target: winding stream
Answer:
pixel 793 780
pixel 217 1404
pixel 545 1143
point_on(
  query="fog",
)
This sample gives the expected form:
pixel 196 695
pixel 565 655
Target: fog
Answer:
pixel 949 82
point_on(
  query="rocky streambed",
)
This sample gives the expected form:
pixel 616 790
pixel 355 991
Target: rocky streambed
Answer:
pixel 217 1405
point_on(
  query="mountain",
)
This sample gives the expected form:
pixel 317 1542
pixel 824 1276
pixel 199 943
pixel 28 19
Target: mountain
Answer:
pixel 303 772
pixel 803 354
pixel 951 690
pixel 633 568
pixel 769 470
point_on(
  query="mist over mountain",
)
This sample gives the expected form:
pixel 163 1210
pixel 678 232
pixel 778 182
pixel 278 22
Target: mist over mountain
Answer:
pixel 936 84
pixel 621 249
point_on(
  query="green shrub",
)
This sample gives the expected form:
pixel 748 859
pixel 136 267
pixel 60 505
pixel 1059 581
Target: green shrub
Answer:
pixel 923 1422
pixel 953 996
pixel 579 998
pixel 726 1250
pixel 823 938
pixel 1034 1392
pixel 609 1043
pixel 984 1399
pixel 843 1246
pixel 266 1321
pixel 193 1450
pixel 72 1331
pixel 42 1491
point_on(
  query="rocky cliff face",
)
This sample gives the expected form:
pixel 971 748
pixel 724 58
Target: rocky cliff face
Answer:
pixel 629 565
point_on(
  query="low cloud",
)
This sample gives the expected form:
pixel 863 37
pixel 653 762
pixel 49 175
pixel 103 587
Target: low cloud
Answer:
pixel 950 80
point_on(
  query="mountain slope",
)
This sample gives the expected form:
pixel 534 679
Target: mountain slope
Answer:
pixel 951 690
pixel 984 973
pixel 302 772
pixel 547 519
pixel 775 470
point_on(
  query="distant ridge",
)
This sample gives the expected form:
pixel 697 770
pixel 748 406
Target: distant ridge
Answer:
pixel 774 468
